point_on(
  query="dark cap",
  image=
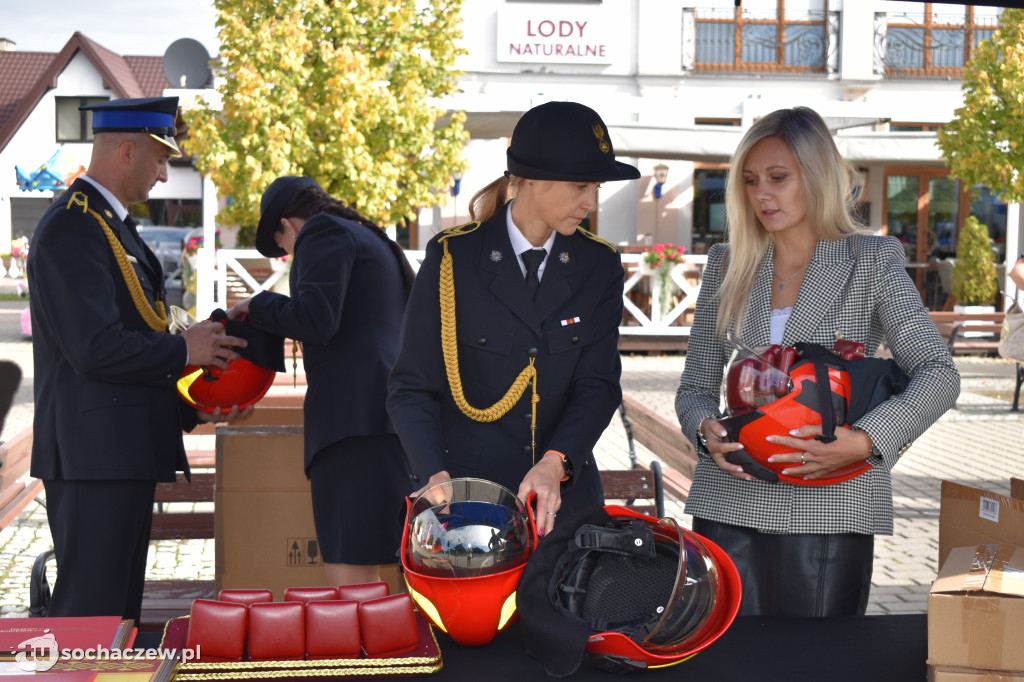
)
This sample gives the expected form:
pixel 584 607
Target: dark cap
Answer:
pixel 153 115
pixel 565 141
pixel 275 199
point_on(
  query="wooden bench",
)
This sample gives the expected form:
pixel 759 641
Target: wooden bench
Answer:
pixel 627 486
pixel 17 488
pixel 984 328
pixel 664 439
pixel 953 327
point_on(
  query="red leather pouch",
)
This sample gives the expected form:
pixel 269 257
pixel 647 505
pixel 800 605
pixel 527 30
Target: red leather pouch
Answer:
pixel 332 629
pixel 388 626
pixel 308 594
pixel 277 630
pixel 246 596
pixel 216 630
pixel 362 591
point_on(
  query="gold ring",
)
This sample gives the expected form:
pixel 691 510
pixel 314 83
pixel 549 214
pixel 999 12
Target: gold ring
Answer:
pixel 552 514
pixel 802 460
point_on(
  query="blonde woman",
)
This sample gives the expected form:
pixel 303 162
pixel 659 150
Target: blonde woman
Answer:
pixel 797 268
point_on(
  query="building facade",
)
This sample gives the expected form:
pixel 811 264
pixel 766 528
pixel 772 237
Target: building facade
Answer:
pixel 679 82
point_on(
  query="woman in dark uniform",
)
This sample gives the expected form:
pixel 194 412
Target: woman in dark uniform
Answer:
pixel 509 366
pixel 349 285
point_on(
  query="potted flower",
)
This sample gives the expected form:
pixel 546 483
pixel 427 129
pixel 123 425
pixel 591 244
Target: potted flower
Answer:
pixel 661 259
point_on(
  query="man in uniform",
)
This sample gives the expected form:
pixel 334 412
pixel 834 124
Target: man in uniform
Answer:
pixel 108 420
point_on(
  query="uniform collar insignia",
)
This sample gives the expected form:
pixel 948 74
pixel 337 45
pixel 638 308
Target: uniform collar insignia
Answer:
pixel 563 257
pixel 495 255
pixel 107 213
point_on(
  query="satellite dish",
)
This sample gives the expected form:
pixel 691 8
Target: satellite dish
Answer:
pixel 187 64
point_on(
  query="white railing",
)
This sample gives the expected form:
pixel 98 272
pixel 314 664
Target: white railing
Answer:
pixel 641 296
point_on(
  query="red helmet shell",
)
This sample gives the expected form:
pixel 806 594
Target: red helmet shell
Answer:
pixel 726 604
pixel 791 411
pixel 242 383
pixel 464 547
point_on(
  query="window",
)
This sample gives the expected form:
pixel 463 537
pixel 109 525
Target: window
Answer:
pixel 933 39
pixel 74 125
pixel 708 207
pixel 763 35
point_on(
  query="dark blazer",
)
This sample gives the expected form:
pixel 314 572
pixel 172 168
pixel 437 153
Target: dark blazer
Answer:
pixel 345 306
pixel 858 284
pixel 106 406
pixel 498 326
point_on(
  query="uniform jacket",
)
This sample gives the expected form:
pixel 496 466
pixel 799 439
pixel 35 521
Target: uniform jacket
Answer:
pixel 859 285
pixel 498 327
pixel 106 406
pixel 347 299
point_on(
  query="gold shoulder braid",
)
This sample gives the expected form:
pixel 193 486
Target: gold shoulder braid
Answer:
pixel 156 319
pixel 593 237
pixel 450 349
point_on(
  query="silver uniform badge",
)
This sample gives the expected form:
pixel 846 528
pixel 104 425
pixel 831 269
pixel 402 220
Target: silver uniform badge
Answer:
pixel 563 257
pixel 495 255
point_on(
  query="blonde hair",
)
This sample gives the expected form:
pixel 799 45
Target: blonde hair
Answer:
pixel 828 183
pixel 492 198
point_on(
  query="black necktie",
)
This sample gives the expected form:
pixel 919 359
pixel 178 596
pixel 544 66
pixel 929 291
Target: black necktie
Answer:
pixel 130 224
pixel 532 259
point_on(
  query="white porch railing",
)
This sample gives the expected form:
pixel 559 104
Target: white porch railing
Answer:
pixel 640 297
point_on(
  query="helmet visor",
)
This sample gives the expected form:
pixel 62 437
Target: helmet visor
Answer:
pixel 755 376
pixel 467 527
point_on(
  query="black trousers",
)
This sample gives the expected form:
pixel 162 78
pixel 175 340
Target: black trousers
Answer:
pixel 797 575
pixel 100 535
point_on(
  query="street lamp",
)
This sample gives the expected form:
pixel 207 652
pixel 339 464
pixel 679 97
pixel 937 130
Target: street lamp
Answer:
pixel 660 176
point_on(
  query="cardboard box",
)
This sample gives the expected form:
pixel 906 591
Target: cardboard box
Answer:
pixel 945 673
pixel 976 608
pixel 264 535
pixel 972 516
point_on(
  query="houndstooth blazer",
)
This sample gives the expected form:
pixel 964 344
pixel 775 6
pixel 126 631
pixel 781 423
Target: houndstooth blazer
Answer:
pixel 858 284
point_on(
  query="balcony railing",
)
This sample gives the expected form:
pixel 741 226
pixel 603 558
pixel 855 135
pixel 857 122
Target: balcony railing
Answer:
pixel 244 272
pixel 774 41
pixel 929 45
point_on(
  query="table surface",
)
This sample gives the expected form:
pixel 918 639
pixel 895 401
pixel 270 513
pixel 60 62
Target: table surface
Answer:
pixel 875 648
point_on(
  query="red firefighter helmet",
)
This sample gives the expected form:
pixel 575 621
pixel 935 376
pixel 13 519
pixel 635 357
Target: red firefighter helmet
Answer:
pixel 632 591
pixel 464 546
pixel 764 398
pixel 241 383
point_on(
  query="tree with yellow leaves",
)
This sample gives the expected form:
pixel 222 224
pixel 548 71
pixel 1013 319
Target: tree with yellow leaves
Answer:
pixel 984 143
pixel 342 91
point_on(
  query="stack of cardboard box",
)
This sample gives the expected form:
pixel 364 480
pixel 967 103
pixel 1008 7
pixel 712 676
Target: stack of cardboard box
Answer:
pixel 976 604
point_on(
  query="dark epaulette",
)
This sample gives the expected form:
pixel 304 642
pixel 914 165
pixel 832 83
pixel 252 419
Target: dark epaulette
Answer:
pixel 457 231
pixel 590 235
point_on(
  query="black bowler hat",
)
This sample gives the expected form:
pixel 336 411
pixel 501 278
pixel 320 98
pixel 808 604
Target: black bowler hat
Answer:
pixel 153 115
pixel 275 199
pixel 564 141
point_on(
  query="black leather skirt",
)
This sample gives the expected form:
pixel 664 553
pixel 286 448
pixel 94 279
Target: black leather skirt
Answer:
pixel 797 575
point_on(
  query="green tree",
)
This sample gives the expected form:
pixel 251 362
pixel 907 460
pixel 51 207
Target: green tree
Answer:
pixel 974 274
pixel 984 143
pixel 341 91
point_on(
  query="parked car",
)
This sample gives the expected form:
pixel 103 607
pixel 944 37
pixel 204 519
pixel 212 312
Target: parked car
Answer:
pixel 166 242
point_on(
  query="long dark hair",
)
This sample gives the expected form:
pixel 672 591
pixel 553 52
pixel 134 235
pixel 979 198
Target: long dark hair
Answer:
pixel 313 200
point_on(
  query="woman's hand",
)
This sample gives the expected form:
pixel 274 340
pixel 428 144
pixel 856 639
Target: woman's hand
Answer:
pixel 815 458
pixel 545 479
pixel 719 446
pixel 437 479
pixel 240 309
